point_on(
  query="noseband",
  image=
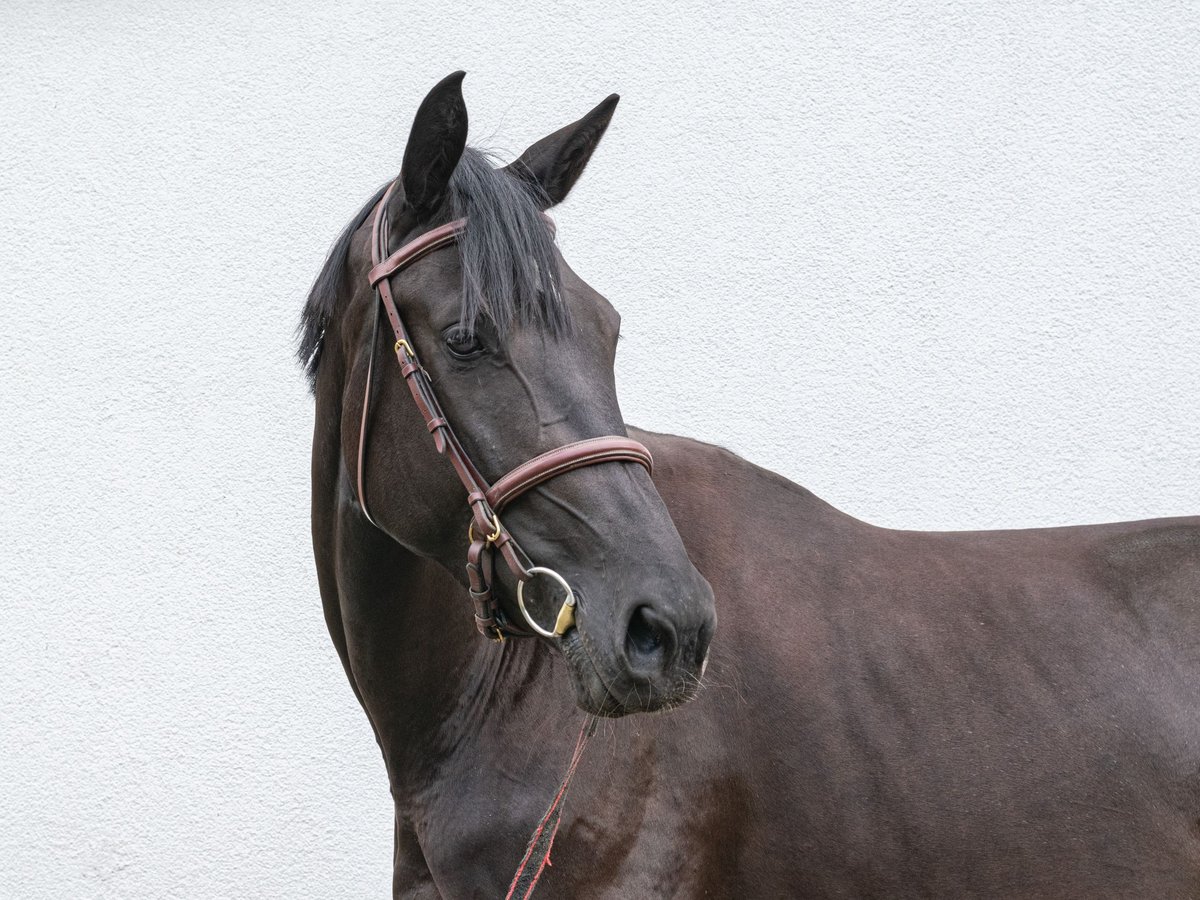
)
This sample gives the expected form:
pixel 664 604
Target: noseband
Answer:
pixel 486 534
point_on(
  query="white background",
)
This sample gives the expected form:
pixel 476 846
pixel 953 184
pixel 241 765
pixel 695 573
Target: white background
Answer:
pixel 947 257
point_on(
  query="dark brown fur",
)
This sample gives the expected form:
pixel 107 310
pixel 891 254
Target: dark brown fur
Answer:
pixel 885 713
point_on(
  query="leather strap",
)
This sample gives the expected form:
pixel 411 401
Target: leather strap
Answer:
pixel 415 249
pixel 362 426
pixel 488 534
pixel 563 459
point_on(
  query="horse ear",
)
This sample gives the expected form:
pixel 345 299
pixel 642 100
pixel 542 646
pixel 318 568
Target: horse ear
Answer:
pixel 435 144
pixel 555 162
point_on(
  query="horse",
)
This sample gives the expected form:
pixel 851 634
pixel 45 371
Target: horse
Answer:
pixel 877 713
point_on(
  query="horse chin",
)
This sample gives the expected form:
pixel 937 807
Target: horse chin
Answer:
pixel 609 695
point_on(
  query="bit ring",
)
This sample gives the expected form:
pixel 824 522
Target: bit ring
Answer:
pixel 566 613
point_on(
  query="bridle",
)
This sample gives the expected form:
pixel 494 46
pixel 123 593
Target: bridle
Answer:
pixel 486 534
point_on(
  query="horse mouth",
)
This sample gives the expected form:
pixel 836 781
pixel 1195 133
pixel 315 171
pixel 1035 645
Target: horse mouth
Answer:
pixel 614 695
pixel 592 692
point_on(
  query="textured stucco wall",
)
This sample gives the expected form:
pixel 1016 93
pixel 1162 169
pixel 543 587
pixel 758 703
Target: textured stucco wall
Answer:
pixel 950 250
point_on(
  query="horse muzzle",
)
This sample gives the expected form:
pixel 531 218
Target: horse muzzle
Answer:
pixel 642 656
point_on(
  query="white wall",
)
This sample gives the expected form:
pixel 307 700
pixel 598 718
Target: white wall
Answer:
pixel 950 253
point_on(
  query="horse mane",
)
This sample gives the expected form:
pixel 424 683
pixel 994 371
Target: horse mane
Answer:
pixel 510 272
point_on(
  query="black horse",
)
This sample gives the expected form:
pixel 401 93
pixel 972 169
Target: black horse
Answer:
pixel 882 713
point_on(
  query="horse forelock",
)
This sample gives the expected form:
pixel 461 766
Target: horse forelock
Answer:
pixel 510 271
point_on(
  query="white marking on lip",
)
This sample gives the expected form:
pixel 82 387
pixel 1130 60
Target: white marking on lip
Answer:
pixel 704 665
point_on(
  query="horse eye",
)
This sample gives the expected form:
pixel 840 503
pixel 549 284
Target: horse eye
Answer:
pixel 463 344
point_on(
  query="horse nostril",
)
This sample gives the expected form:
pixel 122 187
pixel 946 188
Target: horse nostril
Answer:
pixel 646 640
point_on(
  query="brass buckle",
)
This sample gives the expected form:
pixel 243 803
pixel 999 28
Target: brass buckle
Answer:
pixel 488 538
pixel 406 346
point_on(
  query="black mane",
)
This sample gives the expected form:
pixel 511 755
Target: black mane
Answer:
pixel 510 271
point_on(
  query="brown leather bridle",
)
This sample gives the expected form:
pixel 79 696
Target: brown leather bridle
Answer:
pixel 487 533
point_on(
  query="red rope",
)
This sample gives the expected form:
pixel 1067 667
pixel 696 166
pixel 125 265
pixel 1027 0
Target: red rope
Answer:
pixel 542 838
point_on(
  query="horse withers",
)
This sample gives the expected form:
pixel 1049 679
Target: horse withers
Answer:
pixel 883 713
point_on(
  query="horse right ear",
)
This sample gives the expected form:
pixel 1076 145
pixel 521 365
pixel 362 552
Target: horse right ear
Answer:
pixel 435 145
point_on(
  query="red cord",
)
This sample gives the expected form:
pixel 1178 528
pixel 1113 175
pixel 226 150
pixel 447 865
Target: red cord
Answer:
pixel 553 812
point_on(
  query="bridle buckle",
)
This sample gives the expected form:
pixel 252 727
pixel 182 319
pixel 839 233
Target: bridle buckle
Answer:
pixel 488 538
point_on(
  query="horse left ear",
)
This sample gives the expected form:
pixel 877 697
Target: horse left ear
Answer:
pixel 555 162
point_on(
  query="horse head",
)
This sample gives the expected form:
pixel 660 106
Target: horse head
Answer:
pixel 518 351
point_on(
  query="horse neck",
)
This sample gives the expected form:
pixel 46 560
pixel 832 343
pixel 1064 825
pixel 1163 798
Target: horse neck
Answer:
pixel 402 625
pixel 430 684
